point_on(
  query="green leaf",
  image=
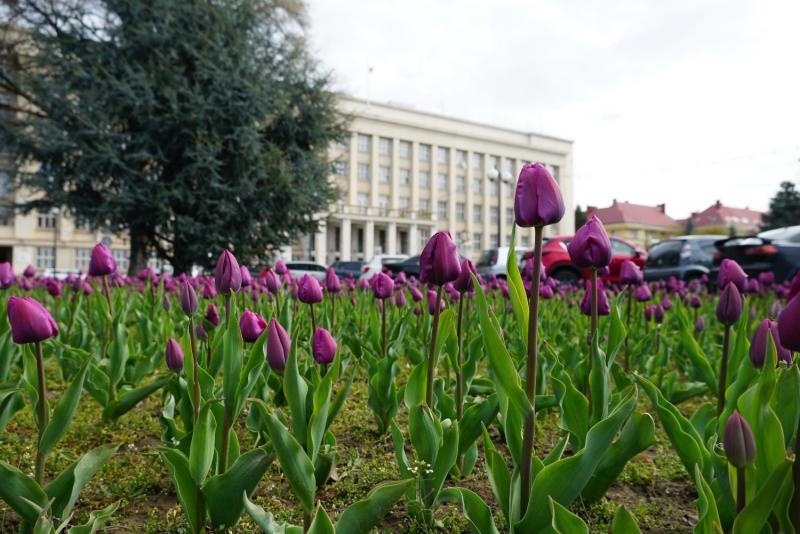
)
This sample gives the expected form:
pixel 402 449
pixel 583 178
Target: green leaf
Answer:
pixel 319 414
pixel 474 417
pixel 63 412
pixel 756 513
pixel 425 432
pixel 564 521
pixel 231 363
pixel 127 401
pixel 201 452
pixel 97 520
pixel 414 393
pixel 296 391
pixel 498 473
pixel 185 486
pixel 294 461
pixel 516 290
pixel 341 396
pixel 322 523
pixel 66 488
pixel 475 510
pixel 222 491
pixel 624 522
pixel 574 413
pixel 445 460
pixel 698 359
pixel 118 351
pixel 251 373
pixel 708 521
pixel 361 516
pixel 19 490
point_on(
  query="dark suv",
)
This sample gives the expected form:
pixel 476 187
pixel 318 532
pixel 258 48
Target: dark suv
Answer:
pixel 776 251
pixel 686 257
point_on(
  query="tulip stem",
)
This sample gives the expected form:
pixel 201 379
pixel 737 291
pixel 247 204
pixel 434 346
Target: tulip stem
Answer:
pixel 41 409
pixel 333 309
pixel 795 506
pixel 196 392
pixel 227 309
pixel 459 376
pixel 432 354
pixel 628 329
pixel 723 371
pixel 740 489
pixel 107 294
pixel 313 320
pixel 226 438
pixel 530 376
pixel 383 326
pixel 592 334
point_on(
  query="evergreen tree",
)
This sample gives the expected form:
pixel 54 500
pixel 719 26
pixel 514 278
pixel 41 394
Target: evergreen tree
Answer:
pixel 784 208
pixel 192 125
pixel 580 216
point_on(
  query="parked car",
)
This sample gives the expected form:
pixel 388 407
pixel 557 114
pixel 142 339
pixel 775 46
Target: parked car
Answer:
pixel 376 264
pixel 774 250
pixel 558 264
pixel 300 268
pixel 343 269
pixel 493 261
pixel 686 257
pixel 409 266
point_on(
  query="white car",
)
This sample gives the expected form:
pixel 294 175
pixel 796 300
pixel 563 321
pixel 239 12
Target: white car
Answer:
pixel 375 265
pixel 300 268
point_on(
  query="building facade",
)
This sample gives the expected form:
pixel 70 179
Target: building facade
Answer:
pixel 721 219
pixel 405 174
pixel 638 223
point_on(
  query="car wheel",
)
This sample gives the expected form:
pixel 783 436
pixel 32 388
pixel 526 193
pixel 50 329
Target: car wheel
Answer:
pixel 566 275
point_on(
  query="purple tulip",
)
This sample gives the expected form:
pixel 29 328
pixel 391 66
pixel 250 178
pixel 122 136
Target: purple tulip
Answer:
pixel 760 342
pixel 439 261
pixel 730 271
pixel 432 303
pixel 101 263
pixel 308 290
pixel 332 282
pixel 212 315
pixel 603 306
pixel 247 279
pixel 400 279
pixel 209 291
pixel 30 321
pixel 738 441
pixel 6 275
pixel 323 346
pixel 280 268
pixel 251 326
pixel 189 302
pixel 201 332
pixel 174 355
pixel 463 283
pixel 166 303
pixel 400 298
pixel 53 288
pixel 630 274
pixel 29 272
pixel 382 286
pixel 643 293
pixel 658 313
pixel 648 312
pixel 666 303
pixel 272 282
pixel 590 248
pixel 789 325
pixel 766 279
pixel 700 324
pixel 416 294
pixel 278 345
pixel 729 306
pixel 227 274
pixel 794 289
pixel 537 201
pixel 695 302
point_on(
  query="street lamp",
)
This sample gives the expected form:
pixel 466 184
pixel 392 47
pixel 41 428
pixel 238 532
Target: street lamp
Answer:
pixel 503 177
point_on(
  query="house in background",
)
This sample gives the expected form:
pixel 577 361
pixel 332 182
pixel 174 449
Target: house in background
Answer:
pixel 721 219
pixel 637 223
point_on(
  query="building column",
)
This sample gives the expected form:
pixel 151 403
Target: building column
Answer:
pixel 369 240
pixel 413 240
pixel 320 244
pixel 352 170
pixel 374 165
pixel 345 240
pixel 391 238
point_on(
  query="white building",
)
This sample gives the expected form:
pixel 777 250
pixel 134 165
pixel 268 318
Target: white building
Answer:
pixel 405 174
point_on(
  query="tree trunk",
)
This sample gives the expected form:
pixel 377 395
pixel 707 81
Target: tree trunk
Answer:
pixel 139 250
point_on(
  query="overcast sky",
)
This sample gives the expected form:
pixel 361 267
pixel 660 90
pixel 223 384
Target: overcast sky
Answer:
pixel 679 101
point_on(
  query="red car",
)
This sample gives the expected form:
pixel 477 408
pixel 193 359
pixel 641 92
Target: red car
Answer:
pixel 558 265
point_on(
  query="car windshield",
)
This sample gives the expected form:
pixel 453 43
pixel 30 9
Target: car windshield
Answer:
pixel 782 234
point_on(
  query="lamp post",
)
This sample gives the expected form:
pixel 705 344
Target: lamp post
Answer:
pixel 503 177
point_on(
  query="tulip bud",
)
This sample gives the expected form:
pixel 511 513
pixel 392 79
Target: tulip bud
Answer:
pixel 30 272
pixel 174 354
pixel 700 324
pixel 280 268
pixel 463 283
pixel 6 275
pixel 648 312
pixel 382 286
pixel 432 303
pixel 53 288
pixel 201 332
pixel 323 346
pixel 730 271
pixel 643 293
pixel 789 325
pixel 760 342
pixel 308 290
pixel 30 321
pixel 251 325
pixel 400 298
pixel 227 274
pixel 658 314
pixel 630 274
pixel 729 306
pixel 247 279
pixel 590 247
pixel 794 289
pixel 209 291
pixel 603 306
pixel 740 447
pixel 400 279
pixel 212 315
pixel 537 201
pixel 166 303
pixel 439 261
pixel 416 294
pixel 189 302
pixel 332 282
pixel 272 282
pixel 101 262
pixel 278 345
pixel 695 302
pixel 546 292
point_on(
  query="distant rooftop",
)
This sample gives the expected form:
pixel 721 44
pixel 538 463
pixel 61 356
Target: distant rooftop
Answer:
pixel 719 214
pixel 626 212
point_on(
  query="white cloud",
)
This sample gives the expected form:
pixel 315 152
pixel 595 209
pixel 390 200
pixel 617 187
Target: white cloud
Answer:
pixel 682 102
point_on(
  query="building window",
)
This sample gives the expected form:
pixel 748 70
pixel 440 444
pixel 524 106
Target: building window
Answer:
pixel 405 149
pixel 424 179
pixel 82 257
pixel 460 211
pixel 384 174
pixel 493 239
pixel 122 257
pixel 442 156
pixel 423 239
pixel 492 187
pixel 510 166
pixel 363 202
pixel 404 202
pixel 509 215
pixel 524 241
pixel 441 210
pixel 554 171
pixel 476 185
pixel 493 162
pixel 6 216
pixel 477 161
pixel 4 181
pixel 363 143
pixel 477 213
pixel 424 205
pixel 384 146
pixel 383 201
pixel 460 186
pixel 424 152
pixel 493 216
pixel 363 172
pixel 441 182
pixel 46 219
pixel 45 258
pixel 405 176
pixel 476 241
pixel 340 168
pixel 461 238
pixel 82 224
pixel 461 158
